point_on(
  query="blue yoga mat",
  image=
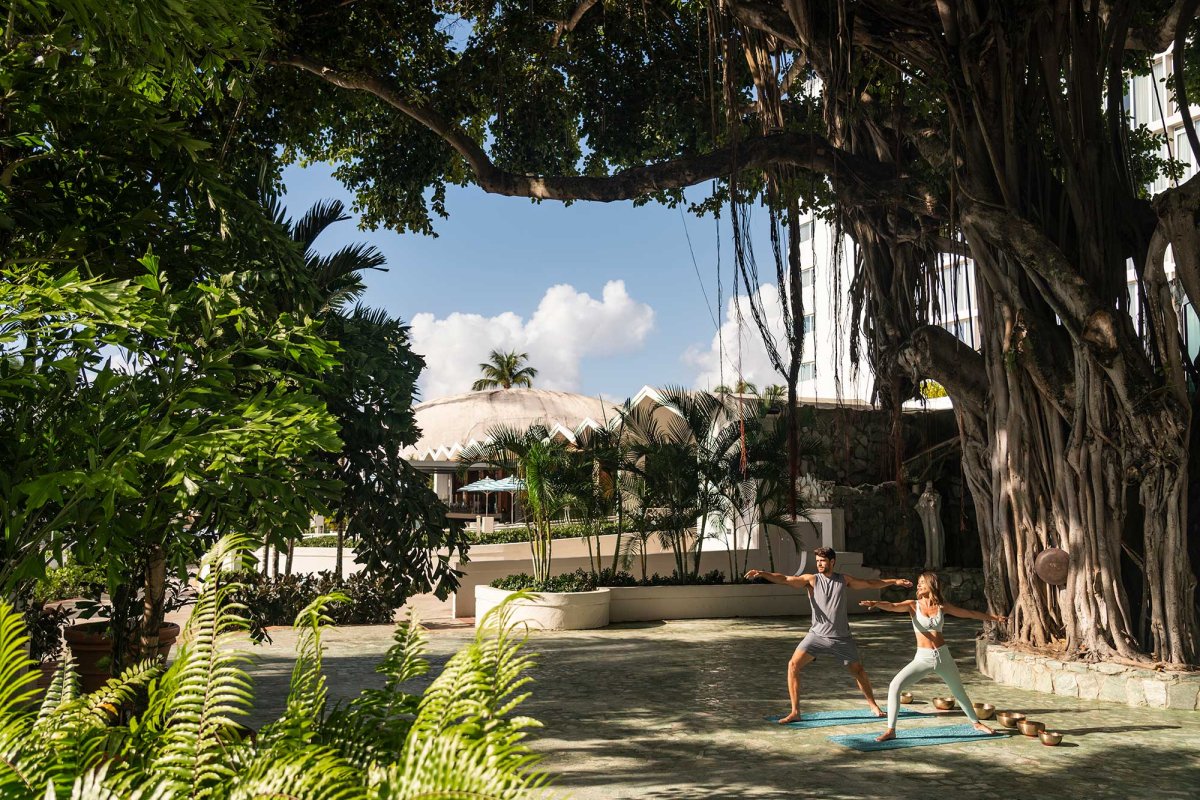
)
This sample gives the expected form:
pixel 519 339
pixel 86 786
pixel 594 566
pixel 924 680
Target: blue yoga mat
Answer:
pixel 854 716
pixel 915 737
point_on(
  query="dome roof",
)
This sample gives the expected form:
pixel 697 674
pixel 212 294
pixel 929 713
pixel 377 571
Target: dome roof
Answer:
pixel 450 424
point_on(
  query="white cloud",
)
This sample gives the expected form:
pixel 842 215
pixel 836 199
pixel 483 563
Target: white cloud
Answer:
pixel 742 344
pixel 567 326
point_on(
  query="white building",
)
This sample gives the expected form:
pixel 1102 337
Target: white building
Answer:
pixel 826 352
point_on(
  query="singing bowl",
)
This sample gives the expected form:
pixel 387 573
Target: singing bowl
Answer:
pixel 1031 728
pixel 943 703
pixel 1009 719
pixel 984 710
pixel 1050 738
pixel 906 697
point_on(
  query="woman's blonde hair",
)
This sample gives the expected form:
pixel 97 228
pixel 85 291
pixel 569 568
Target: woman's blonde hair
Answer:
pixel 934 587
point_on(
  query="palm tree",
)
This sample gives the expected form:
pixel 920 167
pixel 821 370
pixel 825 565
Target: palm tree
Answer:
pixel 504 371
pixel 541 463
pixel 678 456
pixel 383 505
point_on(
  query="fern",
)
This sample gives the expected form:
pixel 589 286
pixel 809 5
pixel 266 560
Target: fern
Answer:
pixel 459 739
pixel 195 705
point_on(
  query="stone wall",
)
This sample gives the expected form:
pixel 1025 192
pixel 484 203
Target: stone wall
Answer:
pixel 961 586
pixel 1104 681
pixel 861 458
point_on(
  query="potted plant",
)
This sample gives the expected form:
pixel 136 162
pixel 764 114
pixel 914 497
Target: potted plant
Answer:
pixel 45 625
pixel 93 644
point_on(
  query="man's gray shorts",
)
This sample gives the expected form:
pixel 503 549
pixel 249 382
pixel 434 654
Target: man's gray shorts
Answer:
pixel 844 650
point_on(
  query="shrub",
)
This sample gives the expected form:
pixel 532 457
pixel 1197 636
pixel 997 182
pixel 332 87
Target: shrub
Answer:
pixel 577 581
pixel 45 626
pixel 563 530
pixel 277 601
pixel 65 583
pixel 583 581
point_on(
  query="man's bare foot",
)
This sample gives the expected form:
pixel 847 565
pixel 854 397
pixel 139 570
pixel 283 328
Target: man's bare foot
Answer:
pixel 890 733
pixel 792 717
pixel 979 726
pixel 877 711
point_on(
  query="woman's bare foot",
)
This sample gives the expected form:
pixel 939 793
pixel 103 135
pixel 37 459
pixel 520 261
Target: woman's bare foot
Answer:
pixel 890 733
pixel 792 717
pixel 979 726
pixel 877 711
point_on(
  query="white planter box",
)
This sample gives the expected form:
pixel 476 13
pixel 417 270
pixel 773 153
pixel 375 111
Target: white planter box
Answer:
pixel 549 611
pixel 640 603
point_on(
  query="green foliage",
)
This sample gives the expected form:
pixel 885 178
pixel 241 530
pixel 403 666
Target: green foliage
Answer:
pixel 541 463
pixel 365 600
pixel 583 581
pixel 65 583
pixel 458 738
pixel 559 530
pixel 397 522
pixel 504 371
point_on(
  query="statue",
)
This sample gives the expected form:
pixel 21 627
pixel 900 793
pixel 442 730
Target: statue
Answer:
pixel 929 507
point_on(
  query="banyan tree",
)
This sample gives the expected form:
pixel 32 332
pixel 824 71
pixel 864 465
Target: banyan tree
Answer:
pixel 925 130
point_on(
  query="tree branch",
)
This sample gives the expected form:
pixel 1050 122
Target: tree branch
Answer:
pixel 934 352
pixel 864 180
pixel 1154 38
pixel 768 18
pixel 567 25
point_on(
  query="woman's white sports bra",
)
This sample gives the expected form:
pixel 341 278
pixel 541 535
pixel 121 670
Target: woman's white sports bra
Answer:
pixel 924 624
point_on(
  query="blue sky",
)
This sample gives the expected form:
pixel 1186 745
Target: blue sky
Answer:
pixel 497 256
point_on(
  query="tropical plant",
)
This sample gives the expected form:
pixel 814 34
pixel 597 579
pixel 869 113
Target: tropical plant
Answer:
pixel 598 457
pixel 458 738
pixel 384 504
pixel 504 371
pixel 676 448
pixel 755 489
pixel 540 461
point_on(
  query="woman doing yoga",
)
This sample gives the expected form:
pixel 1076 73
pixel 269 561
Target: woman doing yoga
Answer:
pixel 928 612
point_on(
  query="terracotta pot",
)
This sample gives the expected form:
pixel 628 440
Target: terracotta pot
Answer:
pixel 46 675
pixel 91 644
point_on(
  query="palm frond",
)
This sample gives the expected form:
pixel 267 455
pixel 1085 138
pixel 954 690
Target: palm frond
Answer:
pixel 319 216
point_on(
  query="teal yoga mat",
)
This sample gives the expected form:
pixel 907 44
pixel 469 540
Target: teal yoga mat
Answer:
pixel 915 737
pixel 854 716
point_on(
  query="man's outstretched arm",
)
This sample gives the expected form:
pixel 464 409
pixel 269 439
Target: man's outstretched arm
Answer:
pixel 879 583
pixel 795 581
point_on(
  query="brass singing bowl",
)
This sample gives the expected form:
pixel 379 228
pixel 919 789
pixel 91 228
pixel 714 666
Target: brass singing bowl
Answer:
pixel 1009 719
pixel 1031 728
pixel 906 697
pixel 984 710
pixel 943 703
pixel 1050 738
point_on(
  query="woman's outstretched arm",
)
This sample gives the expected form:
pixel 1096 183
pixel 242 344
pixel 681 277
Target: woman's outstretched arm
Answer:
pixel 903 607
pixel 955 611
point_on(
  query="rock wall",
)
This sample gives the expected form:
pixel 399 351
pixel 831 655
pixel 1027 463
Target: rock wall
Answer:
pixel 860 455
pixel 961 586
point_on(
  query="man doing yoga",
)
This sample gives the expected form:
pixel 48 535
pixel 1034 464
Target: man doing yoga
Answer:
pixel 830 631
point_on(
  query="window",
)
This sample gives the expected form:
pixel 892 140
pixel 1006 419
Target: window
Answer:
pixel 1183 152
pixel 1158 99
pixel 810 322
pixel 807 230
pixel 808 370
pixel 808 276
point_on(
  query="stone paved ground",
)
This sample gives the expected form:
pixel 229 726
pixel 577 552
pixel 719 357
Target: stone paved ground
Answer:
pixel 675 710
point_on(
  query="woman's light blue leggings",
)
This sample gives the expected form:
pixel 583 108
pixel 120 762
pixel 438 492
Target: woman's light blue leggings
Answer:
pixel 926 662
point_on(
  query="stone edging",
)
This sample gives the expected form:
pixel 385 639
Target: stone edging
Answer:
pixel 1104 681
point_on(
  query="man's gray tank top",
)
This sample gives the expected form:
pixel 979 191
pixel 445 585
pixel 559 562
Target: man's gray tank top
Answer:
pixel 828 600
